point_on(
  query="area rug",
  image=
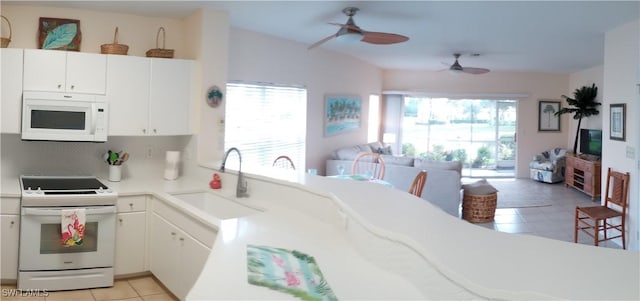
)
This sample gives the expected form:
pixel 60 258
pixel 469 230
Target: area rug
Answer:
pixel 520 204
pixel 287 271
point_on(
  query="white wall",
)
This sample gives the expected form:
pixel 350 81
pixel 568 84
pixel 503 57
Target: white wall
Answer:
pixel 577 80
pixel 536 85
pixel 262 58
pixel 621 76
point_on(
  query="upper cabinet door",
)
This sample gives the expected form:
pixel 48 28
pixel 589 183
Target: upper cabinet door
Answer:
pixel 170 97
pixel 45 70
pixel 128 95
pixel 11 89
pixel 86 73
pixel 64 71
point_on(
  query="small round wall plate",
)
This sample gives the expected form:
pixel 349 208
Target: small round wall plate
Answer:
pixel 214 96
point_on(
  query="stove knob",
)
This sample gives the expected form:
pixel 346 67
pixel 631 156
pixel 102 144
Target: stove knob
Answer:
pixel 39 191
pixel 100 190
pixel 109 191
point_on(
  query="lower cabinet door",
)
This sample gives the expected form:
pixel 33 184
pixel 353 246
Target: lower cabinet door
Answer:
pixel 164 251
pixel 10 225
pixel 130 243
pixel 193 258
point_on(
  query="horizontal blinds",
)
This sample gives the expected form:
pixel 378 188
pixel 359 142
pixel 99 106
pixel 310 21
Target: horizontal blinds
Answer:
pixel 266 121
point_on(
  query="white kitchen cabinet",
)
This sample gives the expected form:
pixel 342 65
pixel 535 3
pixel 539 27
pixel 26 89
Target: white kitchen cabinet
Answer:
pixel 176 258
pixel 128 79
pixel 64 71
pixel 170 97
pixel 149 96
pixel 179 248
pixel 11 102
pixel 131 228
pixel 10 227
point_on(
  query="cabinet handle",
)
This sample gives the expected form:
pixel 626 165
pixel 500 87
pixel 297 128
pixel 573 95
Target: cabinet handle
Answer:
pixel 181 238
pixel 173 233
pixel 72 86
pixel 120 220
pixel 144 131
pixel 13 223
pixel 155 131
pixel 59 86
pixel 131 205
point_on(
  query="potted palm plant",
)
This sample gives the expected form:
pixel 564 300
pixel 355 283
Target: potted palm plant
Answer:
pixel 583 104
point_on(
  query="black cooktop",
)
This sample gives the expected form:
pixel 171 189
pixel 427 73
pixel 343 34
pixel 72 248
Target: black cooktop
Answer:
pixel 61 183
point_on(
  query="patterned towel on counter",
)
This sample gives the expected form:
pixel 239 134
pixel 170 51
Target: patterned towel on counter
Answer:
pixel 288 271
pixel 73 226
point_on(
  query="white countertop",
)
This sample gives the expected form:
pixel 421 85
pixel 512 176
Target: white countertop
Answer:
pixel 469 261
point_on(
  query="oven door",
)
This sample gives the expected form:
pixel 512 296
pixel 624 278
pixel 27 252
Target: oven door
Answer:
pixel 41 245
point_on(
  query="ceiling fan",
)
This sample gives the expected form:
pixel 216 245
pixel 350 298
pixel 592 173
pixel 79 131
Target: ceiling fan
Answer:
pixel 351 29
pixel 457 68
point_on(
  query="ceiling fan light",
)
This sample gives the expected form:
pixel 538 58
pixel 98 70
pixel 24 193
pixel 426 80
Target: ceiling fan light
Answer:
pixel 350 37
pixel 455 71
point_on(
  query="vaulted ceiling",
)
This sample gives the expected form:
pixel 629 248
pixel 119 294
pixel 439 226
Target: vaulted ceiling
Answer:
pixel 539 36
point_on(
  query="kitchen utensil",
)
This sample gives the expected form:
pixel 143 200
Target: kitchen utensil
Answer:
pixel 113 157
pixel 123 158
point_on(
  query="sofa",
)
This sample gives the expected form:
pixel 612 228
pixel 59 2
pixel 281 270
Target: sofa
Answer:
pixel 443 187
pixel 548 166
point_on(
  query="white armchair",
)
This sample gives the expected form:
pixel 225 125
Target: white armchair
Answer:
pixel 548 166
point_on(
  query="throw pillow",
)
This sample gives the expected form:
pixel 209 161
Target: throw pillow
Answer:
pixel 428 164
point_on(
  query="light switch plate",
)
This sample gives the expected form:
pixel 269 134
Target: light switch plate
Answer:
pixel 631 152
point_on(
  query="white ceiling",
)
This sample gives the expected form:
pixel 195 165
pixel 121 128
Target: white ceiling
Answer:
pixel 543 36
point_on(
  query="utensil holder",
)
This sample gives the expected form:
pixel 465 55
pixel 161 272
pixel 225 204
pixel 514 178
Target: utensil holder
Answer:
pixel 115 173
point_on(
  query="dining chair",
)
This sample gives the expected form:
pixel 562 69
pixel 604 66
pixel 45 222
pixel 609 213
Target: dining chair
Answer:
pixel 418 183
pixel 596 219
pixel 369 164
pixel 284 162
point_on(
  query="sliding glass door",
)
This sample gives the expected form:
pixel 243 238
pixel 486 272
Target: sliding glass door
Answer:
pixel 478 132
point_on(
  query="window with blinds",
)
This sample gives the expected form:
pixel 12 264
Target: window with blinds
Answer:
pixel 265 121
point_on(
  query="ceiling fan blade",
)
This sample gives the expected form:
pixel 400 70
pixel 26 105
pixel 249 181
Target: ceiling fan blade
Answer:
pixel 383 38
pixel 472 70
pixel 318 43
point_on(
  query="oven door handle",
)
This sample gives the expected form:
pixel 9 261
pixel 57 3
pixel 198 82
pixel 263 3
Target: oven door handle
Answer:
pixel 57 211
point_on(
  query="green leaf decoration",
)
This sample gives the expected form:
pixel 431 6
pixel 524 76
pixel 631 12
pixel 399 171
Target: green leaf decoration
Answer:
pixel 60 36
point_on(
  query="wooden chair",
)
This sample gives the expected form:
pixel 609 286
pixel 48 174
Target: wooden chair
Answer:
pixel 418 184
pixel 284 162
pixel 370 164
pixel 593 220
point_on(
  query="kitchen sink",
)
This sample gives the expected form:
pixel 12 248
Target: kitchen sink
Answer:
pixel 215 205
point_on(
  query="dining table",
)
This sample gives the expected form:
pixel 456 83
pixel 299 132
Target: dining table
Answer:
pixel 359 177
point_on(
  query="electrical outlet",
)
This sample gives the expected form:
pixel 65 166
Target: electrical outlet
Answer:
pixel 149 152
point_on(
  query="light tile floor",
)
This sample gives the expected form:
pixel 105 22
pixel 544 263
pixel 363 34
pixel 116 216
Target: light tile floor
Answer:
pixel 134 289
pixel 554 219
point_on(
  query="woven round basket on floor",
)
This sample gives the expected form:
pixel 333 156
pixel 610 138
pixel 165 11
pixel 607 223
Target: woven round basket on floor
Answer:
pixel 479 208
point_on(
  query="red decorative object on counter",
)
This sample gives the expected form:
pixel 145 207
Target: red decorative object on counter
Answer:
pixel 215 183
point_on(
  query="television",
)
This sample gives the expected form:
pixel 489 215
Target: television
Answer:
pixel 591 142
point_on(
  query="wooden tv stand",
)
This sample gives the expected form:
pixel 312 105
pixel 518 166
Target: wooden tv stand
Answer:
pixel 583 173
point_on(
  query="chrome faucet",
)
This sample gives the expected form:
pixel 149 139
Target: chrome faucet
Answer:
pixel 241 187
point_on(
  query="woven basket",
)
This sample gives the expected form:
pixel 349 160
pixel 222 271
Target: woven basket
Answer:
pixel 160 52
pixel 114 48
pixel 479 208
pixel 6 41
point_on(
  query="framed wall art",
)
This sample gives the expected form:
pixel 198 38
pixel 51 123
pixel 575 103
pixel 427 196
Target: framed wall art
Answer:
pixel 617 121
pixel 547 120
pixel 59 34
pixel 342 113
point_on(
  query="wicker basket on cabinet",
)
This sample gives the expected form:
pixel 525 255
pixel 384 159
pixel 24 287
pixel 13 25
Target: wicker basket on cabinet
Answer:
pixel 160 52
pixel 114 48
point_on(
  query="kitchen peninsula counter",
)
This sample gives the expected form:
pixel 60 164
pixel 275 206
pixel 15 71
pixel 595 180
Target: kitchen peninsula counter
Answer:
pixel 375 242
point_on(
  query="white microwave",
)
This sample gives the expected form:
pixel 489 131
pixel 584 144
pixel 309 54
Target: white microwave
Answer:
pixel 64 117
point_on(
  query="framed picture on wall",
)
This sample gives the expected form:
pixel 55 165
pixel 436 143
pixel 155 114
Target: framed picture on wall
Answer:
pixel 59 34
pixel 547 120
pixel 617 121
pixel 341 113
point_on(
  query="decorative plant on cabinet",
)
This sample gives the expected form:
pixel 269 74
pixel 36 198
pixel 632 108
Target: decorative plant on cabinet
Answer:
pixel 583 105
